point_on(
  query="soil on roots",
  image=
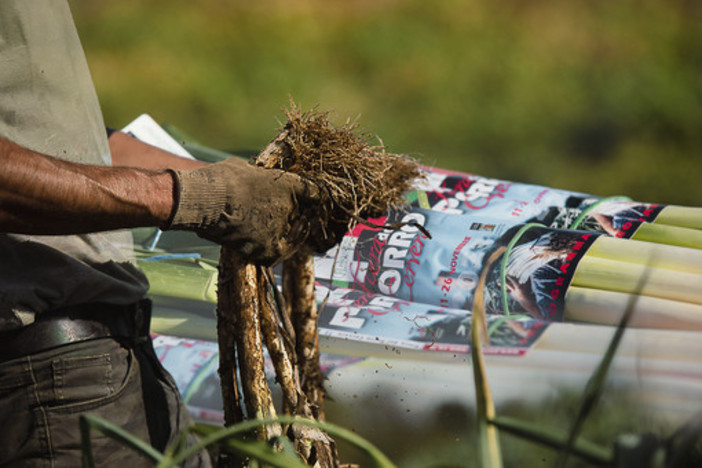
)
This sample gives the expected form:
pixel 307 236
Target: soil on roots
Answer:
pixel 359 180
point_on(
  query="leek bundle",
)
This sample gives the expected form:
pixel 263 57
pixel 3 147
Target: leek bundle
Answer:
pixel 358 180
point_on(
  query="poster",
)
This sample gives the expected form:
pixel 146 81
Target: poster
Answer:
pixel 466 194
pixel 194 366
pixel 351 314
pixel 442 264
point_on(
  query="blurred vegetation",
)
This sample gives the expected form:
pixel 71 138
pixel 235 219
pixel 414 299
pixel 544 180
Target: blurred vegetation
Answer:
pixel 449 439
pixel 600 97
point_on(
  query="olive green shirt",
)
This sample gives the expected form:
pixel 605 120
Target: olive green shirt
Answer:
pixel 48 104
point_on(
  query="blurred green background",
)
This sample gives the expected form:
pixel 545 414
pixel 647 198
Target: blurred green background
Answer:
pixel 599 96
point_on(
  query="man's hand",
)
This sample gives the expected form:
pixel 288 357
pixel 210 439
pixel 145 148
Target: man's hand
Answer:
pixel 263 213
pixel 256 211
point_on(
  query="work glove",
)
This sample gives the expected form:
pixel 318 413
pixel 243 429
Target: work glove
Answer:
pixel 263 214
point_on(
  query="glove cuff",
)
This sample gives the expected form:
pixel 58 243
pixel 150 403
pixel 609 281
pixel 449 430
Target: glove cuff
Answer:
pixel 176 200
pixel 199 200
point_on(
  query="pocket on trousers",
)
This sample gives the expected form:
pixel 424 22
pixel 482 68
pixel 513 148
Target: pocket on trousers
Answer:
pixel 84 382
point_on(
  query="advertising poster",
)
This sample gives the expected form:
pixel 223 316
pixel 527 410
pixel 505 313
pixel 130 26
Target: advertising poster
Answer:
pixel 194 366
pixel 349 314
pixel 460 193
pixel 442 267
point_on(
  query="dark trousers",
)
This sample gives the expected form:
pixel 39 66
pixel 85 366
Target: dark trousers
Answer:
pixel 43 394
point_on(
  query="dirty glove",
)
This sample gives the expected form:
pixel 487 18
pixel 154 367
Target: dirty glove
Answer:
pixel 252 210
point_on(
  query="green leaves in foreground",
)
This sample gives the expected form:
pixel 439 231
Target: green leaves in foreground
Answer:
pixel 226 440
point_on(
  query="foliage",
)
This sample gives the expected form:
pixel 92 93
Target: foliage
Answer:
pixel 278 455
pixel 601 97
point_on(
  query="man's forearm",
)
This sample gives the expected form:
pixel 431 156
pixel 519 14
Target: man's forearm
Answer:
pixel 128 151
pixel 44 195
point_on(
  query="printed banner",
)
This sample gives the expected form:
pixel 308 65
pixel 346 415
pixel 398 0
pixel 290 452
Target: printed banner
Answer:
pixel 460 193
pixel 194 365
pixel 350 314
pixel 444 270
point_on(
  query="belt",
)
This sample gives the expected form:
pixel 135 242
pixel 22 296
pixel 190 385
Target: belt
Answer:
pixel 74 324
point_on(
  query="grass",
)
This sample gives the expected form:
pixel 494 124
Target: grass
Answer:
pixel 449 438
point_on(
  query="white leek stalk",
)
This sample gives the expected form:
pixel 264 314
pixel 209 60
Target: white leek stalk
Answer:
pixel 647 253
pixel 633 278
pixel 671 235
pixel 607 308
pixel 683 216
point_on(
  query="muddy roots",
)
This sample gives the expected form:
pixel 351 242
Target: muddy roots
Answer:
pixel 360 180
